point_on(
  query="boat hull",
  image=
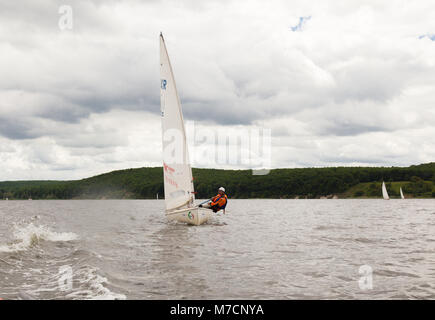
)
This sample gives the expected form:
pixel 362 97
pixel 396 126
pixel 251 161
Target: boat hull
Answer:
pixel 195 216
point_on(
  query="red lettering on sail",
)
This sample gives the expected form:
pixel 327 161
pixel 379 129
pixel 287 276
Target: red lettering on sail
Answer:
pixel 170 181
pixel 168 169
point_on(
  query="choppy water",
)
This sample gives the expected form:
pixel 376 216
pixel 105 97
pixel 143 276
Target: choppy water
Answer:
pixel 262 249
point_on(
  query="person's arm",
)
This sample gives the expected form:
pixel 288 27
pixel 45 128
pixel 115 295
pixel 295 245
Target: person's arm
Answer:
pixel 213 201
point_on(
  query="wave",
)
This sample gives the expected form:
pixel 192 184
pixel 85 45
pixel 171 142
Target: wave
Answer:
pixel 92 286
pixel 86 284
pixel 30 235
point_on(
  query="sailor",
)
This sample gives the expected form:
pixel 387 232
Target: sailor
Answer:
pixel 218 202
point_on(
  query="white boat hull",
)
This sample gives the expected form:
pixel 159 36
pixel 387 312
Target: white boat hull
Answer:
pixel 195 216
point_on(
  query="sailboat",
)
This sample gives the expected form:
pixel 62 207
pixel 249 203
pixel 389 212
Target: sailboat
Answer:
pixel 384 191
pixel 401 194
pixel 177 172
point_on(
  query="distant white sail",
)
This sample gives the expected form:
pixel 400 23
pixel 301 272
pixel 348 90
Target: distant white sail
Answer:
pixel 384 192
pixel 177 173
pixel 401 193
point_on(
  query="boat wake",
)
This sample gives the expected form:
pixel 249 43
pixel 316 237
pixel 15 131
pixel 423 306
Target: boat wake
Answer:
pixel 86 284
pixel 90 285
pixel 25 237
pixel 36 263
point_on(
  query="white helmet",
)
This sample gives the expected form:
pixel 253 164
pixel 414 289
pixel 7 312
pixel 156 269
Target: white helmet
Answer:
pixel 222 189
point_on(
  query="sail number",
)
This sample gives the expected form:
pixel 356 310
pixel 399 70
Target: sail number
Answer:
pixel 163 84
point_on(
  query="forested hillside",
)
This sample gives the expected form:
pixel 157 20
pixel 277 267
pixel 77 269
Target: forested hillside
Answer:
pixel 145 183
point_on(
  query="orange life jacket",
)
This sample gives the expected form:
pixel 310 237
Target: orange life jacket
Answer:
pixel 220 200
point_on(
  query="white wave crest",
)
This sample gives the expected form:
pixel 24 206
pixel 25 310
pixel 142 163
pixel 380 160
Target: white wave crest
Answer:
pixel 92 286
pixel 30 235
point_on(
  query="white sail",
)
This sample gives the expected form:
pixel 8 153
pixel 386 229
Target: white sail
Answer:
pixel 177 173
pixel 401 193
pixel 384 192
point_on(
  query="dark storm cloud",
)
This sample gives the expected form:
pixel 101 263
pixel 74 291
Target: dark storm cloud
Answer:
pixel 221 112
pixel 348 129
pixel 16 129
pixel 69 115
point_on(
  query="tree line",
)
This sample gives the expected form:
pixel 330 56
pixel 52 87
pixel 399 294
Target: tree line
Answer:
pixel 146 183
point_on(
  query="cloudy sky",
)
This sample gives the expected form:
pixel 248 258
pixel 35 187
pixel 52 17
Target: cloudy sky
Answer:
pixel 337 82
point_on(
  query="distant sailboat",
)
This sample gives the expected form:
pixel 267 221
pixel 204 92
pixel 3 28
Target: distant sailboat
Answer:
pixel 384 192
pixel 401 193
pixel 177 173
